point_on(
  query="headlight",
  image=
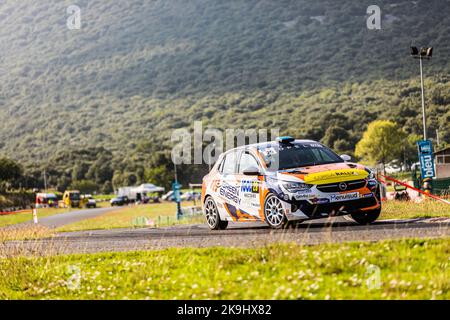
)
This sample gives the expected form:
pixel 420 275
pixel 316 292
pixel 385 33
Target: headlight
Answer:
pixel 295 186
pixel 371 174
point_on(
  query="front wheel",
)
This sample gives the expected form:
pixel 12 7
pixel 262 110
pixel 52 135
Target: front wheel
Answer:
pixel 367 216
pixel 212 216
pixel 274 212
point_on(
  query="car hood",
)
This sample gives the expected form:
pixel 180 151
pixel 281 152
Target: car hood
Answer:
pixel 325 173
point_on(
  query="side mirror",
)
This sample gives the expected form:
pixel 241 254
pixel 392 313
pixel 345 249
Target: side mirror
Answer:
pixel 346 157
pixel 251 171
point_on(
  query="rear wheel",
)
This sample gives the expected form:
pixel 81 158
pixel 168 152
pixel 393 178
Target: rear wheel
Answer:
pixel 274 212
pixel 212 216
pixel 367 216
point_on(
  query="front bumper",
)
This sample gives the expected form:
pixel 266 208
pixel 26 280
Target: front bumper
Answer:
pixel 318 203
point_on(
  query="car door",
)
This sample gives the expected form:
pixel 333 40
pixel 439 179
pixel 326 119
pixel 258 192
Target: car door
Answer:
pixel 228 191
pixel 249 186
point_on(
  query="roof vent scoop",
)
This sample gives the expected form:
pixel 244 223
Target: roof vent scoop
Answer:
pixel 285 139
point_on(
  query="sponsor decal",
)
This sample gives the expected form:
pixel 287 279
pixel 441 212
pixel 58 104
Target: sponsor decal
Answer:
pixel 320 201
pixel 371 183
pixel 250 186
pixel 215 185
pixel 305 191
pixel 339 175
pixel 268 153
pixel 249 195
pixel 367 195
pixel 304 195
pixel 345 196
pixel 345 173
pixel 230 192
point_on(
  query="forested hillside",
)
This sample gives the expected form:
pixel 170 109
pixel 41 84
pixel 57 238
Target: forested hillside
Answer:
pixel 138 69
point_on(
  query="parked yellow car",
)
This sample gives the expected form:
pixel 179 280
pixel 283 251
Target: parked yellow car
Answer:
pixel 73 199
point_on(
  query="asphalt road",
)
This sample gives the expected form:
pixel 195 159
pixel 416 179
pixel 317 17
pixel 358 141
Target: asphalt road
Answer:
pixel 237 235
pixel 60 219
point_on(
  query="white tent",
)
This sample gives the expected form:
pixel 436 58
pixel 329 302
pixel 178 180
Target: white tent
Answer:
pixel 132 192
pixel 148 187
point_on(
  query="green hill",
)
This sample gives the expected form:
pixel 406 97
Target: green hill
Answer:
pixel 138 69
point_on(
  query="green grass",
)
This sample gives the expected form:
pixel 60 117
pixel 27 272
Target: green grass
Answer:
pixel 126 217
pixel 407 269
pixel 103 196
pixel 408 210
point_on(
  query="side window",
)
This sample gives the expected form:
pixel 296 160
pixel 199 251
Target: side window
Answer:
pixel 220 167
pixel 229 163
pixel 247 161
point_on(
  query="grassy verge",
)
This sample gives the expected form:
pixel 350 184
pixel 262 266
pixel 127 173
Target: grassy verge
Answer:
pixel 407 269
pixel 408 210
pixel 132 216
pixel 25 233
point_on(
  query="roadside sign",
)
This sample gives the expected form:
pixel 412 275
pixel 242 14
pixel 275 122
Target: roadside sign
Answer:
pixel 176 187
pixel 425 149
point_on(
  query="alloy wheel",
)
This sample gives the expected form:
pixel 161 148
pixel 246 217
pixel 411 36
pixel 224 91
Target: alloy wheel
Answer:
pixel 211 213
pixel 274 212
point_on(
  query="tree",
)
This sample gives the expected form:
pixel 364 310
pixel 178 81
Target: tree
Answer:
pixel 117 180
pixel 85 186
pixel 63 183
pixel 159 175
pixel 334 134
pixel 107 187
pixel 409 148
pixel 10 172
pixel 381 143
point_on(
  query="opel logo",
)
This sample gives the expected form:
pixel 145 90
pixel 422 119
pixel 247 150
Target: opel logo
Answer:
pixel 342 186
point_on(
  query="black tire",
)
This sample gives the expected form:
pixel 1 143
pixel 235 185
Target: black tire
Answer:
pixel 366 217
pixel 212 215
pixel 274 213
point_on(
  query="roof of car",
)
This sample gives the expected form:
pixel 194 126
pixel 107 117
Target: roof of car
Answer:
pixel 268 143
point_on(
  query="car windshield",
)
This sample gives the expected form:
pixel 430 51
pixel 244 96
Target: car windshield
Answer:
pixel 295 155
pixel 74 196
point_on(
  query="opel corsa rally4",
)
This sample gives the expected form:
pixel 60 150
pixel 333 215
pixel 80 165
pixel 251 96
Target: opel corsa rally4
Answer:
pixel 287 180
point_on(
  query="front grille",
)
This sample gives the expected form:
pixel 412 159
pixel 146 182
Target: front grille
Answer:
pixel 335 207
pixel 334 187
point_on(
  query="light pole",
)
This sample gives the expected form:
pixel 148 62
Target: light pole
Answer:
pixel 45 180
pixel 176 192
pixel 423 53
